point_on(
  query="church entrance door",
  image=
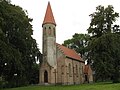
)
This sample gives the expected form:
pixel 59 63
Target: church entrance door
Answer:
pixel 45 77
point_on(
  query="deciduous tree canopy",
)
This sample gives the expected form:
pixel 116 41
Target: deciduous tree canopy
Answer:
pixel 79 43
pixel 104 45
pixel 18 50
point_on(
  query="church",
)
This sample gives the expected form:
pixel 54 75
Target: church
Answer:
pixel 60 64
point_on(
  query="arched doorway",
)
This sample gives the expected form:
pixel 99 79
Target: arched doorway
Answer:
pixel 45 77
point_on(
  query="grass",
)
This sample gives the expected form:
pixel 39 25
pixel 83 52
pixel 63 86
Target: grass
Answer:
pixel 95 86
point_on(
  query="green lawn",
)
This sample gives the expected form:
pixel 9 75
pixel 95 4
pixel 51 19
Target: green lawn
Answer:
pixel 96 86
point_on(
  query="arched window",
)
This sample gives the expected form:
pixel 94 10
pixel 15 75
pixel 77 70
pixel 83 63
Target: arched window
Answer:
pixel 76 70
pixel 54 32
pixel 82 70
pixel 49 27
pixel 62 70
pixel 70 71
pixel 86 78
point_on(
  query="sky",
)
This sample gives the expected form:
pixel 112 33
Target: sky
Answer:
pixel 71 16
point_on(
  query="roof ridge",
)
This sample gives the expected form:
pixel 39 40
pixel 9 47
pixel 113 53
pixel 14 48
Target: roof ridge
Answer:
pixel 69 52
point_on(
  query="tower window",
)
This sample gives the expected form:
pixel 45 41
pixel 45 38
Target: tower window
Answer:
pixel 54 31
pixel 49 27
pixel 45 28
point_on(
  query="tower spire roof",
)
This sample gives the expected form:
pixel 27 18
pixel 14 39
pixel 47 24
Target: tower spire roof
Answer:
pixel 49 18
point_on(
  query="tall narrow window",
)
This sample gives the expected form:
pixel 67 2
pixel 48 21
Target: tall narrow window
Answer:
pixel 49 27
pixel 54 31
pixel 70 73
pixel 76 70
pixel 62 68
pixel 82 69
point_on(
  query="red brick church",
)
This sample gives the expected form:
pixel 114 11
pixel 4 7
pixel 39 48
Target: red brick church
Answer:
pixel 60 65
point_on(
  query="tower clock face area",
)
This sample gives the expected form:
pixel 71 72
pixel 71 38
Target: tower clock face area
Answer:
pixel 51 51
pixel 49 30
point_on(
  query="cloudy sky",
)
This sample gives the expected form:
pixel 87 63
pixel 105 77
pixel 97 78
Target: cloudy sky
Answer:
pixel 71 16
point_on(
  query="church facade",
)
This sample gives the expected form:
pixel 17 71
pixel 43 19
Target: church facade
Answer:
pixel 60 65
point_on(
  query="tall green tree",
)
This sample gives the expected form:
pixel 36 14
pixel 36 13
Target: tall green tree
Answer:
pixel 105 55
pixel 79 43
pixel 102 20
pixel 18 51
pixel 104 45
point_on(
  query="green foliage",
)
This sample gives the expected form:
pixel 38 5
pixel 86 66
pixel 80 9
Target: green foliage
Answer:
pixel 102 20
pixel 18 50
pixel 79 43
pixel 105 53
pixel 104 49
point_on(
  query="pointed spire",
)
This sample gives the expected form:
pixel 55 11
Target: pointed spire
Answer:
pixel 49 18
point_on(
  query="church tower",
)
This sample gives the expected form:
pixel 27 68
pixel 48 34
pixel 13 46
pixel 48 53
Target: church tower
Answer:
pixel 49 37
pixel 49 64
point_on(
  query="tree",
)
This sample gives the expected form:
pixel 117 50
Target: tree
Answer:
pixel 79 43
pixel 18 51
pixel 104 45
pixel 105 55
pixel 102 21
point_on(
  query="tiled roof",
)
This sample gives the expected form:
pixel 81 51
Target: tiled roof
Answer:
pixel 49 18
pixel 69 52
